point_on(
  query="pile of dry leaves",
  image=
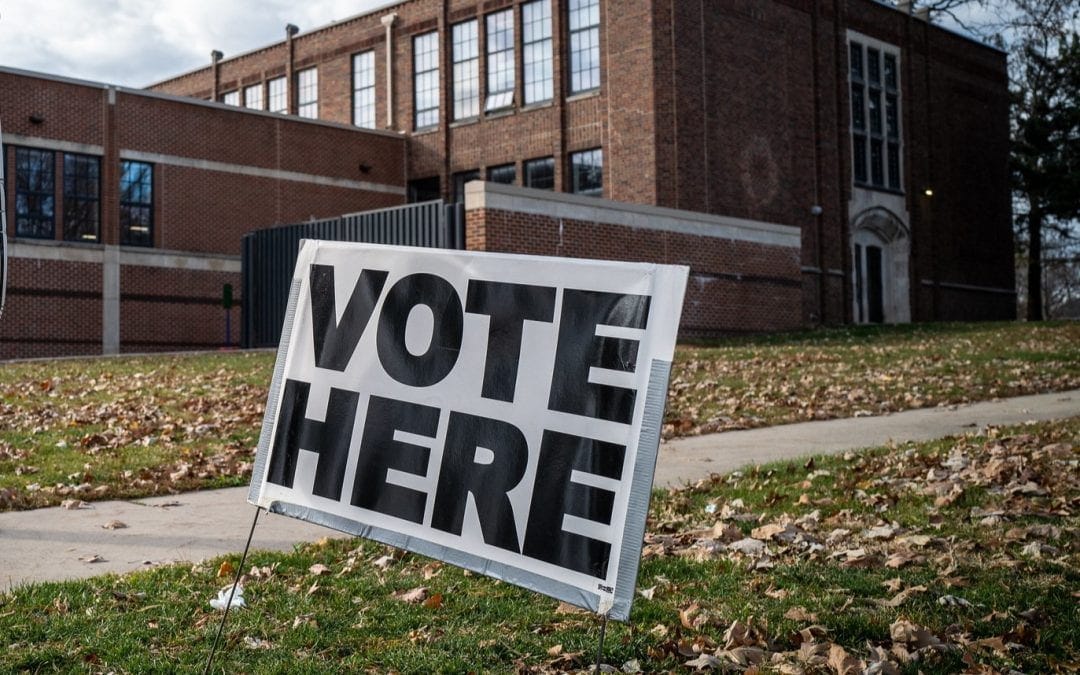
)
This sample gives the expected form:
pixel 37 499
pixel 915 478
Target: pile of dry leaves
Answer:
pixel 205 426
pixel 1027 508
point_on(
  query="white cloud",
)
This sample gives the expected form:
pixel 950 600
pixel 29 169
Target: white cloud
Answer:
pixel 138 42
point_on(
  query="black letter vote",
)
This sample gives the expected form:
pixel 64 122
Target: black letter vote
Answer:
pixel 509 306
pixel 581 348
pixel 488 482
pixel 335 342
pixel 436 363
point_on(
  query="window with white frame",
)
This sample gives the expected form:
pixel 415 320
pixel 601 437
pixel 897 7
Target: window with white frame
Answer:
pixel 536 58
pixel 231 97
pixel 363 77
pixel 875 115
pixel 307 90
pixel 253 97
pixel 426 80
pixel 584 45
pixel 466 58
pixel 500 60
pixel 277 95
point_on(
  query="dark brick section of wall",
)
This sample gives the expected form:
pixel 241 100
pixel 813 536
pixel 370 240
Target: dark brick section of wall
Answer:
pixel 170 309
pixel 53 309
pixel 734 286
pixel 738 108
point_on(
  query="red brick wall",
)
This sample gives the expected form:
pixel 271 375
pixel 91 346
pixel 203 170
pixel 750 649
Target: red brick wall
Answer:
pixel 53 309
pixel 735 286
pixel 171 309
pixel 555 129
pixel 205 197
pixel 737 108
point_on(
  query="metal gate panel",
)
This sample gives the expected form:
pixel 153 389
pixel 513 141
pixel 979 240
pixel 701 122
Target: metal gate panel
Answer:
pixel 268 256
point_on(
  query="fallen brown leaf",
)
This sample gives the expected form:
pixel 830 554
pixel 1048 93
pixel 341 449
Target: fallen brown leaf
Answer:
pixel 433 601
pixel 903 596
pixel 842 662
pixel 800 614
pixel 704 661
pixel 414 596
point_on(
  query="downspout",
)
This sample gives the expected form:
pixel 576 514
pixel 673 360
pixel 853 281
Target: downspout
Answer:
pixel 608 183
pixel 915 262
pixel 292 104
pixel 388 24
pixel 446 98
pixel 935 253
pixel 3 233
pixel 816 209
pixel 675 105
pixel 215 68
pixel 843 169
pixel 705 111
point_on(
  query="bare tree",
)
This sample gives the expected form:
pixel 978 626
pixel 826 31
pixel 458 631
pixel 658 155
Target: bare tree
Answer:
pixel 1041 37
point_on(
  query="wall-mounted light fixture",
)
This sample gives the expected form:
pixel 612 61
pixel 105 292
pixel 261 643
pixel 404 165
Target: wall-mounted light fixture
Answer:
pixel 816 210
pixel 364 168
pixel 929 192
pixel 37 118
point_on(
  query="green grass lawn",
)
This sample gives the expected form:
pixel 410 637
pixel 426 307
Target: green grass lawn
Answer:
pixel 131 427
pixel 952 556
pixel 761 381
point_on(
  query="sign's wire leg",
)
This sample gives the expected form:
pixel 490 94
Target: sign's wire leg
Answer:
pixel 600 647
pixel 232 592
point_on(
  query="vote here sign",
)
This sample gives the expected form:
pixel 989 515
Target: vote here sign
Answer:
pixel 498 412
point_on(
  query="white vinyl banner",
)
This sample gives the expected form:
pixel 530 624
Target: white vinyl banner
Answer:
pixel 498 412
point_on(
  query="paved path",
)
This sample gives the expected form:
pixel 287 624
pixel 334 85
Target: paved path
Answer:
pixel 52 544
pixel 689 459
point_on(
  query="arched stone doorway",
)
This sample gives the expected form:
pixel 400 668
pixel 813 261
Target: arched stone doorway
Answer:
pixel 880 254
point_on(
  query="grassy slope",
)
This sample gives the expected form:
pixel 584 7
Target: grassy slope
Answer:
pixel 927 558
pixel 130 427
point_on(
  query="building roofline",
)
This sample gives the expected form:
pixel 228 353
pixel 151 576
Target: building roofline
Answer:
pixel 887 4
pixel 279 43
pixel 187 100
pixel 562 205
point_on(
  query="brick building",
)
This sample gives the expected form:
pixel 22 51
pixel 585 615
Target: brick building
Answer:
pixel 879 138
pixel 126 208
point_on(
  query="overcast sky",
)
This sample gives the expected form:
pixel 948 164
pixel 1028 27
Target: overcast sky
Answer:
pixel 139 42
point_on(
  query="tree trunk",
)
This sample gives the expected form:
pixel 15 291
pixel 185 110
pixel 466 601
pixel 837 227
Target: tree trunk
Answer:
pixel 1035 266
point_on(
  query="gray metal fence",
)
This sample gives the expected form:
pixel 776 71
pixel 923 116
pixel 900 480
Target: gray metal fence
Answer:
pixel 268 256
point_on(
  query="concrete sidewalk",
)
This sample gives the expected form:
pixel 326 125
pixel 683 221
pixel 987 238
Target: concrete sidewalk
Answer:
pixel 54 544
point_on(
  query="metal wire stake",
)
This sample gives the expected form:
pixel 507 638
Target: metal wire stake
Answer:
pixel 232 592
pixel 600 647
